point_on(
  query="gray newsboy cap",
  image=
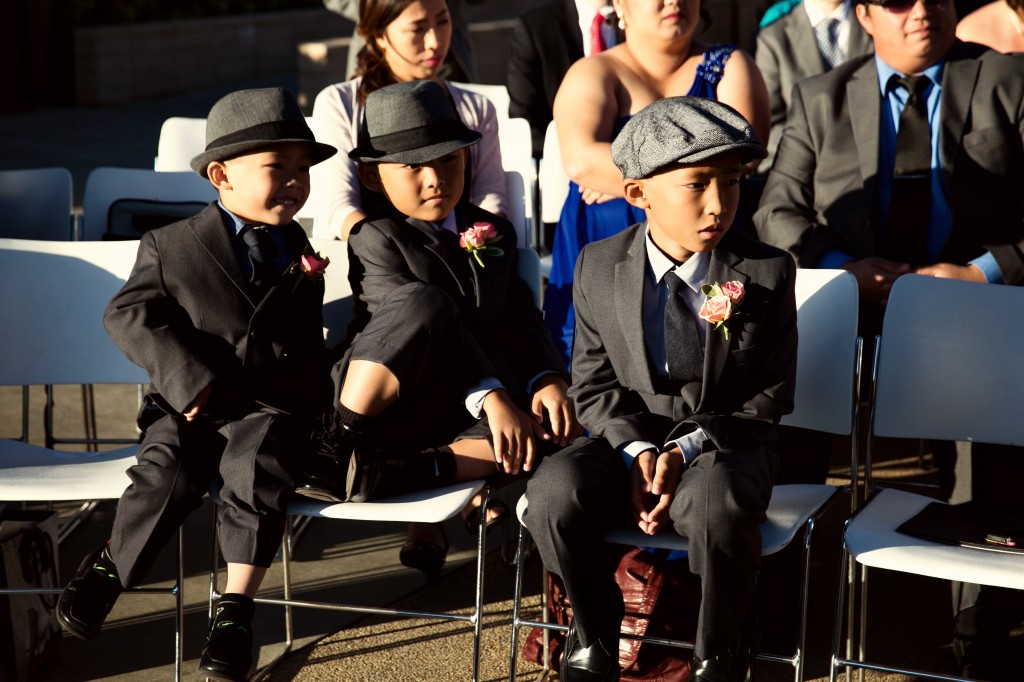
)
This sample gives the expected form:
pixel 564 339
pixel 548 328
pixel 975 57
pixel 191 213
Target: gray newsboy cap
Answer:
pixel 411 122
pixel 682 130
pixel 247 120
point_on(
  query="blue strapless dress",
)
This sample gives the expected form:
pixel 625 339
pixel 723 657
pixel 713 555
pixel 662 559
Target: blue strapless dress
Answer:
pixel 580 223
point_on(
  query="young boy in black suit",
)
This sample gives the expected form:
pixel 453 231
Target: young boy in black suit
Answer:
pixel 683 363
pixel 224 312
pixel 450 368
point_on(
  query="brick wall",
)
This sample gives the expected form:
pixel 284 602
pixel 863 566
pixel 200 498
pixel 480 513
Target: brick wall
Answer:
pixel 126 63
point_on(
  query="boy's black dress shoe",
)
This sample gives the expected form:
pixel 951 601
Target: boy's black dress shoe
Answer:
pixel 598 662
pixel 326 473
pixel 88 598
pixel 228 654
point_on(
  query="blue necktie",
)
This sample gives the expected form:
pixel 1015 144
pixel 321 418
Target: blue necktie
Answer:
pixel 261 255
pixel 906 227
pixel 684 354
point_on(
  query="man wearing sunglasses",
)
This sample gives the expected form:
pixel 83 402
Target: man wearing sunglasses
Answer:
pixel 912 160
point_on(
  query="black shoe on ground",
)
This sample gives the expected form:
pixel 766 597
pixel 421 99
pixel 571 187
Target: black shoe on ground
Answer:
pixel 598 662
pixel 228 654
pixel 325 472
pixel 86 601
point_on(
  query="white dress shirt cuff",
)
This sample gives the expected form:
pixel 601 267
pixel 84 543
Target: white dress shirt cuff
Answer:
pixel 690 445
pixel 475 398
pixel 632 449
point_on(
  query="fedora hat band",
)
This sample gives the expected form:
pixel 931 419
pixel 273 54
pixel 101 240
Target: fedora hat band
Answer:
pixel 415 138
pixel 273 130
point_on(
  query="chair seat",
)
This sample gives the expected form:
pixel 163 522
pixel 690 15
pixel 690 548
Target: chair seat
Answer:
pixel 788 511
pixel 31 473
pixel 426 506
pixel 872 540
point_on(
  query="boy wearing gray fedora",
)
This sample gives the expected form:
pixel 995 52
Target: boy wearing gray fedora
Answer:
pixel 683 362
pixel 223 310
pixel 450 368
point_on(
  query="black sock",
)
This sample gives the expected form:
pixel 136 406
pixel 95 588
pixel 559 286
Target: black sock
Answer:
pixel 353 421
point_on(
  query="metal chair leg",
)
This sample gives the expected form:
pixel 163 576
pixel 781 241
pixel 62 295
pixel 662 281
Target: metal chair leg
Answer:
pixel 516 598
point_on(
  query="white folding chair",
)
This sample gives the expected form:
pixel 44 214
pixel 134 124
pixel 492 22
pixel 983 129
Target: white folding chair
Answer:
pixel 945 369
pixel 517 157
pixel 36 203
pixel 429 506
pixel 180 140
pixel 498 94
pixel 77 279
pixel 827 365
pixel 141 199
pixel 552 183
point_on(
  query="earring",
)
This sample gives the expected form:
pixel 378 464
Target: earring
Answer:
pixel 622 22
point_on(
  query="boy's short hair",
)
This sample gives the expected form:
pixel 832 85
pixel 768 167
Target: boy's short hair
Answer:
pixel 682 130
pixel 247 120
pixel 411 122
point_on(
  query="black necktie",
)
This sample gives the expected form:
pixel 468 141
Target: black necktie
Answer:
pixel 683 351
pixel 261 255
pixel 906 227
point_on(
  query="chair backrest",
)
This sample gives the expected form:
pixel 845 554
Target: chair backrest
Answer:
pixel 139 199
pixel 36 203
pixel 337 292
pixel 826 375
pixel 948 366
pixel 180 140
pixel 529 272
pixel 51 321
pixel 498 94
pixel 519 206
pixel 551 178
pixel 517 157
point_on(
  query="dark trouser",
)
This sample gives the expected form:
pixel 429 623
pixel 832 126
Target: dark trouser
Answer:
pixel 417 334
pixel 578 493
pixel 986 615
pixel 177 462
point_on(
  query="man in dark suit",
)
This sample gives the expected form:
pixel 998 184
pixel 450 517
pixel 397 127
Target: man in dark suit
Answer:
pixel 546 40
pixel 813 38
pixel 683 363
pixel 910 161
pixel 223 310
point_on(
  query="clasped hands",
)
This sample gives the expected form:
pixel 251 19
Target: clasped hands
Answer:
pixel 515 433
pixel 654 480
pixel 876 275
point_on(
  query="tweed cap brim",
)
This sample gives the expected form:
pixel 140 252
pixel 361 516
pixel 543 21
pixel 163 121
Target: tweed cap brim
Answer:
pixel 682 130
pixel 251 120
pixel 411 122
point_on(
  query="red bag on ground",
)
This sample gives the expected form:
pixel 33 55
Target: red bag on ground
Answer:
pixel 661 599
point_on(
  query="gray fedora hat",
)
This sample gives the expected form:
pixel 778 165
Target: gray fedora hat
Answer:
pixel 246 120
pixel 682 130
pixel 411 122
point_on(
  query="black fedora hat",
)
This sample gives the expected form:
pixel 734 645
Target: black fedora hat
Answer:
pixel 411 122
pixel 246 120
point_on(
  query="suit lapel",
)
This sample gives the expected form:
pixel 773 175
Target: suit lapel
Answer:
pixel 212 233
pixel 959 77
pixel 800 34
pixel 862 89
pixel 434 246
pixel 716 348
pixel 629 293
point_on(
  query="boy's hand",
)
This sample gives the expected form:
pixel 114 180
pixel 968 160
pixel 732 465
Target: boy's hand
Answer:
pixel 551 397
pixel 512 431
pixel 196 407
pixel 655 479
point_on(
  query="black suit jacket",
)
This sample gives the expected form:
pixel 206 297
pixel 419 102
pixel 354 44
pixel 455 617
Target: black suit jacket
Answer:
pixel 190 317
pixel 822 191
pixel 546 41
pixel 748 380
pixel 506 338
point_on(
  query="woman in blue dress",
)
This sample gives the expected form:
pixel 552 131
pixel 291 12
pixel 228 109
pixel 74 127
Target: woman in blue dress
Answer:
pixel 659 58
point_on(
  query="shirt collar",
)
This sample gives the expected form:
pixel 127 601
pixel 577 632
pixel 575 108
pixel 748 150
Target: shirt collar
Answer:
pixel 816 14
pixel 585 11
pixel 694 271
pixel 449 223
pixel 885 72
pixel 236 222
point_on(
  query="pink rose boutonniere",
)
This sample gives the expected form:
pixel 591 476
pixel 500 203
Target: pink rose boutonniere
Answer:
pixel 479 239
pixel 310 266
pixel 721 304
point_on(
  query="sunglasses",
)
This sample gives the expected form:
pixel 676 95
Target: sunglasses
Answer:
pixel 899 5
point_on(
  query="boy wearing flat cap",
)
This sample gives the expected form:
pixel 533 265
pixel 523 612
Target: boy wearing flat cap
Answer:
pixel 223 310
pixel 683 362
pixel 450 369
